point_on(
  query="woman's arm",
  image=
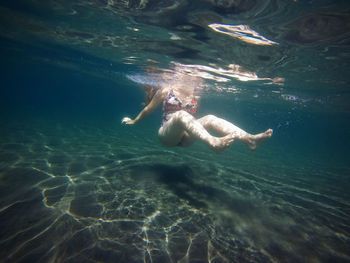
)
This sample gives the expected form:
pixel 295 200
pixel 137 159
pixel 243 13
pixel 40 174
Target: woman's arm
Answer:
pixel 156 100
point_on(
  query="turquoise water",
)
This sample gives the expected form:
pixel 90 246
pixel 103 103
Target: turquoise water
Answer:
pixel 76 186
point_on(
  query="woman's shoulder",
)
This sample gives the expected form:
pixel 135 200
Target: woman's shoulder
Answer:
pixel 160 95
pixel 163 92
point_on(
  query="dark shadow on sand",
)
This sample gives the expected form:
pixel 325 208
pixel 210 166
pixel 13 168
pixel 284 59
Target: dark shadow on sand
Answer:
pixel 181 180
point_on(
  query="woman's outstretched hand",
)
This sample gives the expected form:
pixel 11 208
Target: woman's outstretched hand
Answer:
pixel 127 120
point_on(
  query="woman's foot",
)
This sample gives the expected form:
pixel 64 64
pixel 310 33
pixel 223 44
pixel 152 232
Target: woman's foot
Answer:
pixel 221 143
pixel 254 141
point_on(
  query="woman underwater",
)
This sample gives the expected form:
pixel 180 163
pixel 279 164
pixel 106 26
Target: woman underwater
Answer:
pixel 179 96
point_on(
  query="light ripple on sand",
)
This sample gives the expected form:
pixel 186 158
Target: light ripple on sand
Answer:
pixel 185 204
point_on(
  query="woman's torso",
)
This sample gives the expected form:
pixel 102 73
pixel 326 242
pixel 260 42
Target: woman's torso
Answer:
pixel 175 102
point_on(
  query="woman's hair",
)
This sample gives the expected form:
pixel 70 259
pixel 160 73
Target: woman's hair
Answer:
pixel 150 91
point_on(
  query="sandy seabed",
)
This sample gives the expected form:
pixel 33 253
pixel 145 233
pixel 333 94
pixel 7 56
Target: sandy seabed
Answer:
pixel 91 193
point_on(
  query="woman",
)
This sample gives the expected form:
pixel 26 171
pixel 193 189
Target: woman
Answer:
pixel 179 125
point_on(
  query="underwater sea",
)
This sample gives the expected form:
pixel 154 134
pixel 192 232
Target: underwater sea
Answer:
pixel 77 186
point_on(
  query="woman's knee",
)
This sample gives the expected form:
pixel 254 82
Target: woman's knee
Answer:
pixel 207 119
pixel 211 117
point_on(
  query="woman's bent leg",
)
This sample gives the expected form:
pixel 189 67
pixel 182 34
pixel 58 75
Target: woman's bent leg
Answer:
pixel 180 122
pixel 223 127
